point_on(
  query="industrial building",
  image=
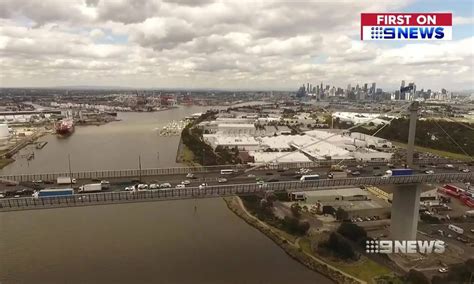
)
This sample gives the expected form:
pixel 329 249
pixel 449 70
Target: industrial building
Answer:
pixel 355 201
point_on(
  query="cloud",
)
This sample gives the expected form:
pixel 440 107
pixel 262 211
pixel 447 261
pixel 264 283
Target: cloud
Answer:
pixel 207 43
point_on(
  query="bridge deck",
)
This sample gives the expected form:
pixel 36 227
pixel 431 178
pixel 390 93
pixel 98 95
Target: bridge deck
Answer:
pixel 13 204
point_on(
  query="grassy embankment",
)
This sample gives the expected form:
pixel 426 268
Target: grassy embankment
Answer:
pixel 364 269
pixel 300 250
pixel 5 161
pixel 440 153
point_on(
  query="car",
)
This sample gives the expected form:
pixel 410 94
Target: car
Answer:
pixel 389 165
pixel 153 186
pixel 449 166
pixel 221 180
pixel 185 182
pixel 251 175
pixel 2 195
pixel 359 167
pixel 130 188
pixel 442 270
pixel 202 186
pixel 105 184
pixel 190 175
pixel 384 176
pixel 429 172
pixel 355 173
pixel 165 185
pixel 466 170
pixel 472 231
pixel 142 186
pixel 37 181
pixel 180 186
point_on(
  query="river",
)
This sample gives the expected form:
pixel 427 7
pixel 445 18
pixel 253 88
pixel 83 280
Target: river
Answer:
pixel 188 241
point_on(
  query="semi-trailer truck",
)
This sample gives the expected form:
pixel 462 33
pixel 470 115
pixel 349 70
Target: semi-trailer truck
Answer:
pixel 92 187
pixel 65 180
pixel 399 172
pixel 53 192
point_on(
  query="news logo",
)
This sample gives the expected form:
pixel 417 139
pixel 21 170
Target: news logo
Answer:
pixel 406 26
pixel 388 246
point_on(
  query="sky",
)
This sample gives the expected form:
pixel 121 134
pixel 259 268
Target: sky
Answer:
pixel 227 44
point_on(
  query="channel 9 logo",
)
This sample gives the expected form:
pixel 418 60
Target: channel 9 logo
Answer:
pixel 405 26
pixel 388 246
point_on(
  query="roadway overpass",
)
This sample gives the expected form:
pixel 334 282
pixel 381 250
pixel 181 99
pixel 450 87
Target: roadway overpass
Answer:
pixel 115 197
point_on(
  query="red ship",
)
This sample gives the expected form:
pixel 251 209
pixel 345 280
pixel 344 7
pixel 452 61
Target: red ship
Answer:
pixel 65 127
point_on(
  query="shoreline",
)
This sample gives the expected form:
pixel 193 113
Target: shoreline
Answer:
pixel 292 249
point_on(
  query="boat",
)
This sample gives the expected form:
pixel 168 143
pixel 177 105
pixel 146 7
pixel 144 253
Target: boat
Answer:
pixel 64 127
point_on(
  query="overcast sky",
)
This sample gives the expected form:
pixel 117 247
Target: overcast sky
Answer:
pixel 230 44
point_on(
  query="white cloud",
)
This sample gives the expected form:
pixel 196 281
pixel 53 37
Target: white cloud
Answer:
pixel 206 43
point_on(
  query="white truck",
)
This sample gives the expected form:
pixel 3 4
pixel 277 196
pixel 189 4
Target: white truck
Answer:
pixel 65 180
pixel 92 187
pixel 456 229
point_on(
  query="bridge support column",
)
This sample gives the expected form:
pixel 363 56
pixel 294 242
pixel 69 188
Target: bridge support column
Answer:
pixel 405 212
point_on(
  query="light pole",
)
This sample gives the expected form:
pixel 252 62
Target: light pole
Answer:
pixel 70 172
pixel 140 168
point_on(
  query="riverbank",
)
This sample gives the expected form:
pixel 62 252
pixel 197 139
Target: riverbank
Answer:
pixel 184 155
pixel 289 244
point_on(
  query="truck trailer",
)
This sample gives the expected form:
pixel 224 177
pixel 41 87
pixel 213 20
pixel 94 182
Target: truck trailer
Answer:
pixel 54 192
pixel 65 180
pixel 92 187
pixel 399 172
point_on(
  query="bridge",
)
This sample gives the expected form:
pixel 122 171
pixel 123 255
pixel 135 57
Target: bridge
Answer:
pixel 135 173
pixel 115 197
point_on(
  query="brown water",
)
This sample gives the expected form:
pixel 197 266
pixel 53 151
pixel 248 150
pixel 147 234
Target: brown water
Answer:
pixel 160 242
pixel 116 145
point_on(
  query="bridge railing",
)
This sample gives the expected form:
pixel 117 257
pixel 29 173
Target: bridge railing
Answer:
pixel 127 173
pixel 218 191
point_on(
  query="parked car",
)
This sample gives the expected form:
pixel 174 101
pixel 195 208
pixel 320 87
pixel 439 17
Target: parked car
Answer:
pixel 180 186
pixel 221 180
pixel 355 173
pixel 185 182
pixel 251 175
pixel 465 170
pixel 154 186
pixel 443 270
pixel 202 186
pixel 449 166
pixel 130 188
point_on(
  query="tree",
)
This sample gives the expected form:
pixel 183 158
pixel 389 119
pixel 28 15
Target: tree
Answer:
pixel 417 277
pixel 352 232
pixel 296 210
pixel 339 246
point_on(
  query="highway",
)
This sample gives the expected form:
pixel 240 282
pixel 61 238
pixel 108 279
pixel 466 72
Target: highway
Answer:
pixel 213 191
pixel 211 178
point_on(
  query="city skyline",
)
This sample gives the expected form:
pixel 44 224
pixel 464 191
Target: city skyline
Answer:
pixel 222 45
